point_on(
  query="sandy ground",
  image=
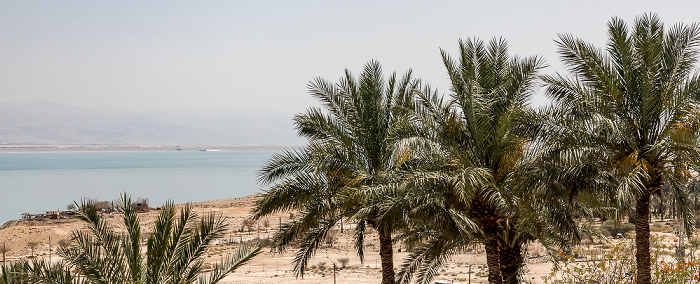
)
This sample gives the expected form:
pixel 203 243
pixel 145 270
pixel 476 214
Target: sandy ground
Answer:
pixel 17 235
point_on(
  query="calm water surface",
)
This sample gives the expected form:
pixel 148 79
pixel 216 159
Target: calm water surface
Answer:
pixel 35 182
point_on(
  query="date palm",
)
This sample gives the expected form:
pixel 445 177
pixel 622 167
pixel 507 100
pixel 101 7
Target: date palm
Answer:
pixel 467 185
pixel 174 251
pixel 345 170
pixel 37 271
pixel 635 105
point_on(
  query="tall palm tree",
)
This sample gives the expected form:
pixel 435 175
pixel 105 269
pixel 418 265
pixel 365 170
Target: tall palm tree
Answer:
pixel 635 104
pixel 346 168
pixel 470 179
pixel 174 252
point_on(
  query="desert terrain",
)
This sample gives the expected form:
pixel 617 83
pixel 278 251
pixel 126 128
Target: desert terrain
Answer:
pixel 18 235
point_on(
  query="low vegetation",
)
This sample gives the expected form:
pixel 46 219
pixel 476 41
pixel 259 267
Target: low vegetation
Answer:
pixel 611 263
pixel 173 253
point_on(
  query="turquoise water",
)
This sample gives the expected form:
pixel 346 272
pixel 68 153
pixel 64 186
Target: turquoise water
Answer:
pixel 36 182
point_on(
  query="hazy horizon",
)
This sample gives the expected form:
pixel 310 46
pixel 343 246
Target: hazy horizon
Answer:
pixel 170 55
pixel 50 123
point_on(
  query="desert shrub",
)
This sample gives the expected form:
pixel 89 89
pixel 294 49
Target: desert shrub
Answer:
pixel 32 246
pixel 330 239
pixel 249 224
pixel 616 264
pixel 343 262
pixel 609 228
pixel 63 243
pixel 656 227
pixel 266 224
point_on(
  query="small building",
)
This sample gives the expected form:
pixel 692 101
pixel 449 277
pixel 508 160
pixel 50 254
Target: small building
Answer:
pixel 53 214
pixel 26 216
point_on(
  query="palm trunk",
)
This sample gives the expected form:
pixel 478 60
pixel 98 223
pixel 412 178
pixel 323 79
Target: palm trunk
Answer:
pixel 673 208
pixel 661 207
pixel 511 262
pixel 643 254
pixel 492 256
pixel 386 253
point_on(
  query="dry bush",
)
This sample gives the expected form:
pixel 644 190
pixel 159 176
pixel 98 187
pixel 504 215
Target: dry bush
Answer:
pixel 63 242
pixel 344 262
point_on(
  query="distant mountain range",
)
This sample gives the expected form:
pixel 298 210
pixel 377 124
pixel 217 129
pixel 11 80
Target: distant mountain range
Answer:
pixel 46 123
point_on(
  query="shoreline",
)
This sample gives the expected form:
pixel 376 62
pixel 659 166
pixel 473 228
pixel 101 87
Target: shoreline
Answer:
pixel 206 204
pixel 232 201
pixel 143 148
pixel 64 174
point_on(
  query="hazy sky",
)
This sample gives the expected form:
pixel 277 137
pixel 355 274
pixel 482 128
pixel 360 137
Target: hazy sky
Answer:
pixel 155 55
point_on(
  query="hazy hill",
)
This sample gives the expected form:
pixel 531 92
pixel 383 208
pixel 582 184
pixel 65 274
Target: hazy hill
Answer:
pixel 53 123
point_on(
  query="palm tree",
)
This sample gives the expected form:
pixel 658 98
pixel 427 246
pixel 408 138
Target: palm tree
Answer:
pixel 468 185
pixel 174 252
pixel 37 271
pixel 635 105
pixel 345 170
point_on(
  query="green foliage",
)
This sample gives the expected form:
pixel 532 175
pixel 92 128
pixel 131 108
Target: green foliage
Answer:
pixel 474 173
pixel 348 167
pixel 634 107
pixel 480 165
pixel 173 253
pixel 37 271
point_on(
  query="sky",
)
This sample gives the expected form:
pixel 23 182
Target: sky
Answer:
pixel 260 55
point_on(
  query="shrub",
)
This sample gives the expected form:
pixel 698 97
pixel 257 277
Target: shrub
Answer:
pixel 249 224
pixel 609 228
pixel 183 237
pixel 330 239
pixel 32 246
pixel 343 262
pixel 63 243
pixel 616 264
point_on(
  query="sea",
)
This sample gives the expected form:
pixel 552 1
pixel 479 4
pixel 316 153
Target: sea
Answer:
pixel 36 182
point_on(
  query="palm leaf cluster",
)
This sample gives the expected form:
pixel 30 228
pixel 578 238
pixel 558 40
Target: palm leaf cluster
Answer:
pixel 440 173
pixel 346 170
pixel 37 271
pixel 485 185
pixel 174 251
pixel 635 105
